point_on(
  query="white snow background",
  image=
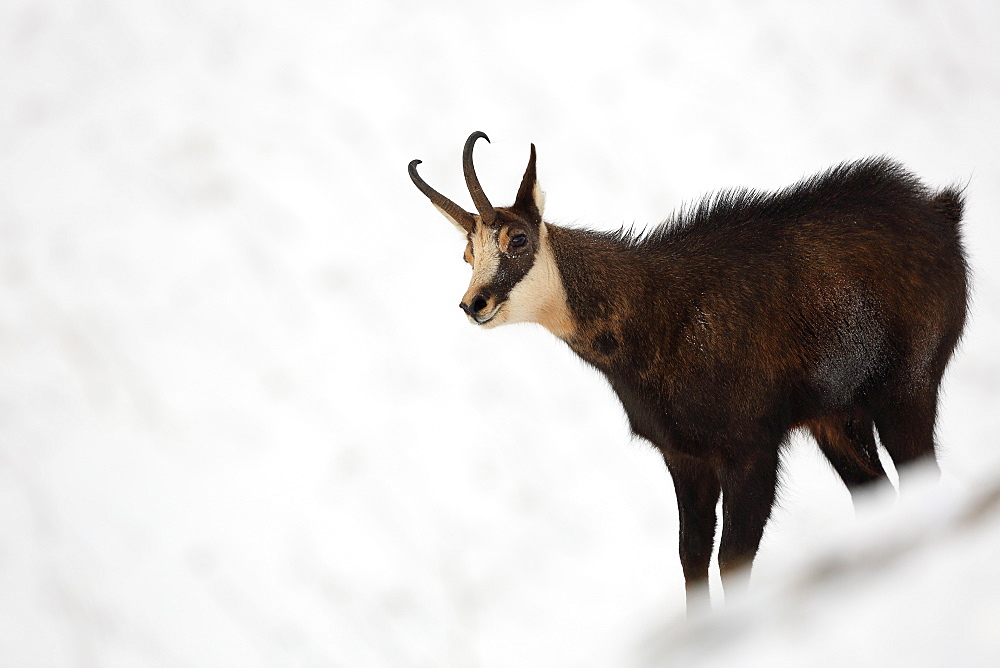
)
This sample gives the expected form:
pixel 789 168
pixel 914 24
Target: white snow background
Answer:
pixel 244 423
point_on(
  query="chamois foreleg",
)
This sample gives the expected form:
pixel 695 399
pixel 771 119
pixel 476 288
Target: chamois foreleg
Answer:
pixel 697 489
pixel 748 480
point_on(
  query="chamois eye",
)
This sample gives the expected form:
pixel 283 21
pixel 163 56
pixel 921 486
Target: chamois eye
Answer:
pixel 518 241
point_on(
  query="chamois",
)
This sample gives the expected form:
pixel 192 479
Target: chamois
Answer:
pixel 833 305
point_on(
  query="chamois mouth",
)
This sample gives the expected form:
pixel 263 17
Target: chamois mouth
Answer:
pixel 482 320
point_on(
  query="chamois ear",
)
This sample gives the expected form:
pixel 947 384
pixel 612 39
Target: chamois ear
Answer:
pixel 466 225
pixel 530 200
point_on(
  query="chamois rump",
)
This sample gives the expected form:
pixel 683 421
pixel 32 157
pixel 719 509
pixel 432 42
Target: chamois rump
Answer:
pixel 833 305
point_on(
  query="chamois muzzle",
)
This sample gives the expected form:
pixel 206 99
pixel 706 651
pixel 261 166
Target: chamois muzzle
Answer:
pixel 478 308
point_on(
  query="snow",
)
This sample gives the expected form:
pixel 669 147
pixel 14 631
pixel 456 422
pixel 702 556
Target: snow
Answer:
pixel 243 422
pixel 901 585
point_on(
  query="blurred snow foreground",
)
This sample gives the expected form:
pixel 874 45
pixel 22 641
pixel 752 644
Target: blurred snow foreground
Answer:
pixel 243 422
pixel 908 584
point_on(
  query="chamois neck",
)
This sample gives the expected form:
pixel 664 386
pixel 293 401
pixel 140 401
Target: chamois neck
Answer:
pixel 598 276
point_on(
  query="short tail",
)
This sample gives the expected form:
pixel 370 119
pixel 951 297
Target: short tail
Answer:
pixel 951 203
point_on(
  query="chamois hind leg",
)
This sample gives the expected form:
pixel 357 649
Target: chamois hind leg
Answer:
pixel 849 445
pixel 697 489
pixel 905 425
pixel 905 409
pixel 748 483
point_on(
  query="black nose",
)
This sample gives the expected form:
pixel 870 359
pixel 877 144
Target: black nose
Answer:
pixel 478 304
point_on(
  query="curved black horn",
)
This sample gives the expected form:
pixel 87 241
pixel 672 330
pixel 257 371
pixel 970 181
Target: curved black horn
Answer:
pixel 486 210
pixel 457 213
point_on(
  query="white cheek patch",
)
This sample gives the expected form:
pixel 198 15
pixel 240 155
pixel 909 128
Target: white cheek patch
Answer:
pixel 540 296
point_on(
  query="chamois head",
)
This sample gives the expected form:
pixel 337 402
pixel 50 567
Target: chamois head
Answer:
pixel 514 278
